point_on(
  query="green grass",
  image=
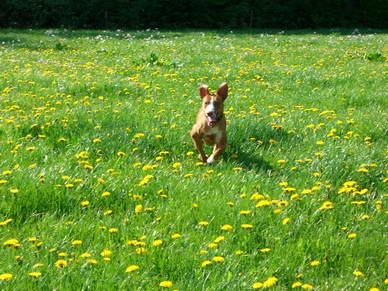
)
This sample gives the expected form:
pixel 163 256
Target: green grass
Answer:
pixel 307 113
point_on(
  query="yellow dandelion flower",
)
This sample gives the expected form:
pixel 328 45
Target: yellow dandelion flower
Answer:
pixel 6 277
pixel 358 273
pixel 76 242
pixel 203 223
pixel 61 263
pixel 157 242
pixel 85 255
pixel 306 286
pixel 138 208
pixel 35 274
pixel 270 282
pixel 352 235
pixel 105 194
pixel 166 284
pixel 285 220
pixel 205 263
pixel 106 253
pixel 257 285
pixel 237 169
pixel 265 250
pixel 175 235
pixel 84 203
pixel 246 226
pixel 12 243
pixel 315 263
pixel 296 284
pixel 227 227
pixel 218 259
pixel 132 268
pixel 91 261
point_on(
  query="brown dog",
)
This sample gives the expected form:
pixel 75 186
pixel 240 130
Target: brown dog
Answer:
pixel 210 126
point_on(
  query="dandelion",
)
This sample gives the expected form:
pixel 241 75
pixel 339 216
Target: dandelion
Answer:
pixel 35 274
pixel 358 273
pixel 106 253
pixel 270 282
pixel 246 226
pixel 84 203
pixel 5 222
pixel 132 268
pixel 205 263
pixel 175 235
pixel 352 235
pixel 6 277
pixel 166 284
pixel 265 250
pixel 76 242
pixel 227 227
pixel 237 169
pixel 12 243
pixel 306 286
pixel 203 223
pixel 105 194
pixel 218 259
pixel 257 285
pixel 176 165
pixel 61 263
pixel 326 205
pixel 285 220
pixel 315 263
pixel 138 208
pixel 157 242
pixel 296 284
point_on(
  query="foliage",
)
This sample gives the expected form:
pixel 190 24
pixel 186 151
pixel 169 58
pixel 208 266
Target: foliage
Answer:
pixel 284 14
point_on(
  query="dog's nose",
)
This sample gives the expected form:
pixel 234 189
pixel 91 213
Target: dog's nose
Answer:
pixel 210 113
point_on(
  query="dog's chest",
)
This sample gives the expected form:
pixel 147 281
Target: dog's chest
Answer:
pixel 214 133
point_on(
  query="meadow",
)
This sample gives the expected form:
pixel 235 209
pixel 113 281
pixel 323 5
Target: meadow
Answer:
pixel 101 188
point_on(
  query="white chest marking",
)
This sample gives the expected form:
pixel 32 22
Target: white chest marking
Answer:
pixel 215 131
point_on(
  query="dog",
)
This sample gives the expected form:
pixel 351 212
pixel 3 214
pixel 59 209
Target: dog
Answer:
pixel 210 125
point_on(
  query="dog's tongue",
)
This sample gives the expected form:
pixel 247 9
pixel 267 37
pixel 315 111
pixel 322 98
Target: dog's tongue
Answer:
pixel 211 121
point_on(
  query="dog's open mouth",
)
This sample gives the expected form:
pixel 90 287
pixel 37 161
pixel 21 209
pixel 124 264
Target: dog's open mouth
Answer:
pixel 211 121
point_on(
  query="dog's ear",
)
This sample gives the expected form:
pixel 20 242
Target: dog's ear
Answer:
pixel 203 90
pixel 223 90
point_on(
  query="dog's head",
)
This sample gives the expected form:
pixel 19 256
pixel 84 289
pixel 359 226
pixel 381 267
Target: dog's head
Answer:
pixel 213 104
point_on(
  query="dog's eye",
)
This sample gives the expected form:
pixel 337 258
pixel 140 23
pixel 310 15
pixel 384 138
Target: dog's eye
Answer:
pixel 207 103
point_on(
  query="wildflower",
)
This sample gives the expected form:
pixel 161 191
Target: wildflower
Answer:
pixel 166 284
pixel 238 252
pixel 85 255
pixel 227 227
pixel 352 235
pixel 246 226
pixel 270 282
pixel 35 274
pixel 205 263
pixel 138 208
pixel 5 222
pixel 91 261
pixel 12 243
pixel 14 191
pixel 176 165
pixel 257 285
pixel 237 169
pixel 6 277
pixel 358 273
pixel 296 284
pixel 285 220
pixel 105 194
pixel 84 203
pixel 157 242
pixel 218 259
pixel 132 268
pixel 326 205
pixel 106 253
pixel 175 235
pixel 315 263
pixel 203 223
pixel 61 263
pixel 265 250
pixel 306 286
pixel 113 230
pixel 139 135
pixel 362 170
pixel 76 242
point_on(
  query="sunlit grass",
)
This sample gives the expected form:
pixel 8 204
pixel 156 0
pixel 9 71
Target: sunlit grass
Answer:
pixel 101 188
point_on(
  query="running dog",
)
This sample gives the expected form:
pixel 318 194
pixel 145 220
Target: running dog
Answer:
pixel 210 127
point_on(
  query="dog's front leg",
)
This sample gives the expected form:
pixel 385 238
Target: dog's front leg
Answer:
pixel 217 151
pixel 198 143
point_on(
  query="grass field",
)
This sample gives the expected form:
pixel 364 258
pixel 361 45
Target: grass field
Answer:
pixel 100 188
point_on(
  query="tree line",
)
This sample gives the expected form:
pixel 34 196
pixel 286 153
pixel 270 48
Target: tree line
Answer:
pixel 139 14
